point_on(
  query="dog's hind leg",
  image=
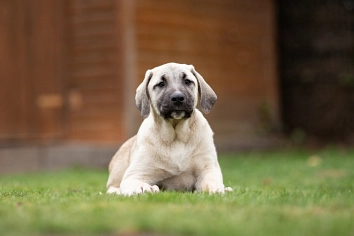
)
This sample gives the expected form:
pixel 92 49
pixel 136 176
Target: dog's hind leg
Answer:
pixel 119 165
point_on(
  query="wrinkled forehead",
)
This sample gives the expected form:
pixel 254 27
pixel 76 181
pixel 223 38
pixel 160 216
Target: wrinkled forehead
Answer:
pixel 172 71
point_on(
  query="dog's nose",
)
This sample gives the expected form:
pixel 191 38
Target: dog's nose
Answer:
pixel 177 98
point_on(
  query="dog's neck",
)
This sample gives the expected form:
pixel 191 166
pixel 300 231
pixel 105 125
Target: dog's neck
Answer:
pixel 174 129
pixel 174 122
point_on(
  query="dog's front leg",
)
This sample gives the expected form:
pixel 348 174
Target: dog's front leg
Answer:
pixel 210 180
pixel 137 181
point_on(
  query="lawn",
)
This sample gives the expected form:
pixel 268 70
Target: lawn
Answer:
pixel 288 192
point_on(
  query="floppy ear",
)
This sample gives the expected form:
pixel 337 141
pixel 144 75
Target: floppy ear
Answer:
pixel 141 97
pixel 207 95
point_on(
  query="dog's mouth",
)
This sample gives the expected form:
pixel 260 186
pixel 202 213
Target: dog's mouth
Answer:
pixel 177 115
pixel 170 111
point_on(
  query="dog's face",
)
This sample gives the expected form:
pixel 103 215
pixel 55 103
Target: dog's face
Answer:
pixel 172 91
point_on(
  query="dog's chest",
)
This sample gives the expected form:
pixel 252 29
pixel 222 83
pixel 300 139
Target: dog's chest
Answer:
pixel 175 158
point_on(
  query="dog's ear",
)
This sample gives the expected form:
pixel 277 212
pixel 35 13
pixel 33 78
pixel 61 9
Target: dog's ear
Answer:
pixel 141 97
pixel 207 95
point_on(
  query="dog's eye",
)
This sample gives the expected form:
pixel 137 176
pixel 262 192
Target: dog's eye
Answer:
pixel 187 82
pixel 161 84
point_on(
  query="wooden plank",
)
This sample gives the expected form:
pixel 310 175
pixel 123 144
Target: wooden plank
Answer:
pixel 127 25
pixel 15 97
pixel 93 6
pixel 46 47
pixel 94 85
pixel 37 69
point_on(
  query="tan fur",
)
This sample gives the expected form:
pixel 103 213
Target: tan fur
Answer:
pixel 173 154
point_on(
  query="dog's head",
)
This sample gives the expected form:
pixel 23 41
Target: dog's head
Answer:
pixel 172 91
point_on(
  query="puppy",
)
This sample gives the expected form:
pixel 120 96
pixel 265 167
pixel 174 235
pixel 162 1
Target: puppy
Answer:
pixel 174 148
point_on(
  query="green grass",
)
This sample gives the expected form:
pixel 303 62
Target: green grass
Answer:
pixel 275 193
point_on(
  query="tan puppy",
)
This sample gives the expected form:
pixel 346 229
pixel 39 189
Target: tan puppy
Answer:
pixel 174 148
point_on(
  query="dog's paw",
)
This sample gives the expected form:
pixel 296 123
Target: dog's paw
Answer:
pixel 228 189
pixel 146 188
pixel 140 189
pixel 221 190
pixel 113 190
pixel 214 188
